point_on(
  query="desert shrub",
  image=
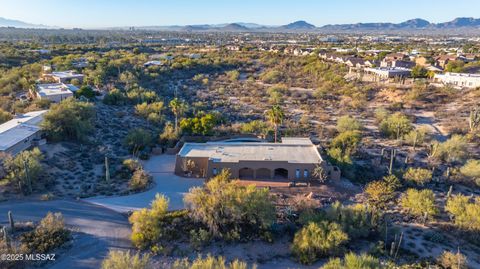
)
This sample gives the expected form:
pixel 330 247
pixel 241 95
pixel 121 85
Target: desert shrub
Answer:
pixel 210 262
pixel 471 170
pixel 233 75
pixel 453 150
pixel 140 180
pixel 395 125
pixel 131 164
pixel 231 211
pixel 254 127
pixel 452 260
pixel 353 261
pixel 418 176
pixel 317 240
pixel 356 220
pixel 168 137
pixel 5 116
pixel 379 193
pixel 348 123
pixel 47 236
pixel 138 139
pixel 200 238
pixel 416 137
pixel 419 203
pixel 69 119
pixel 85 91
pixel 381 114
pixel 15 169
pixel 117 259
pixel 466 213
pixel 146 223
pixel 272 77
pixel 150 111
pixel 114 97
pixel 343 146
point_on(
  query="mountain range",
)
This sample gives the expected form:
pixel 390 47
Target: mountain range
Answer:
pixel 298 26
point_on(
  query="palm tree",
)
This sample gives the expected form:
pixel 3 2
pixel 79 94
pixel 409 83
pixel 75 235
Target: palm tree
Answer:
pixel 178 108
pixel 275 115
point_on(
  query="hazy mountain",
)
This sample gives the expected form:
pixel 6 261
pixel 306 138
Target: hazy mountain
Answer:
pixel 460 22
pixel 19 24
pixel 234 27
pixel 298 25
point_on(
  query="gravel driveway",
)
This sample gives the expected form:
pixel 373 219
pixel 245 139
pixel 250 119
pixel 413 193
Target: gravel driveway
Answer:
pixel 166 182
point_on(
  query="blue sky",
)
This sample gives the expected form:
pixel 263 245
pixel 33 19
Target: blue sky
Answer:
pixel 106 13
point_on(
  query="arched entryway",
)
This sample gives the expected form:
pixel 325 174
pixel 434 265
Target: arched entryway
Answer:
pixel 281 173
pixel 263 173
pixel 245 173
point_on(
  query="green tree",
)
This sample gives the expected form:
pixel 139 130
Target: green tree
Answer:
pixel 453 150
pixel 257 127
pixel 416 137
pixel 318 240
pixel 114 97
pixel 418 72
pixel 419 203
pixel 25 169
pixel 178 108
pixel 117 259
pixel 230 210
pixel 199 125
pixel 348 123
pixel 138 139
pixel 379 193
pixel 85 91
pixel 69 119
pixel 343 146
pixel 275 116
pixel 396 125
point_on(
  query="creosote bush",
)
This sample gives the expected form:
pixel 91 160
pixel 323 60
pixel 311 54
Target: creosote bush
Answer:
pixel 419 176
pixel 353 261
pixel 47 236
pixel 210 262
pixel 318 240
pixel 229 210
pixel 419 203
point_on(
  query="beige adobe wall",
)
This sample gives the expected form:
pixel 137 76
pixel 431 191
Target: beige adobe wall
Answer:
pixel 253 169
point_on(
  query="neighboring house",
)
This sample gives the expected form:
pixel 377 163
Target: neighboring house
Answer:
pixel 153 63
pixel 54 92
pixel 395 56
pixel 443 60
pixel 463 80
pixel 64 76
pixel 389 72
pixel 398 63
pixel 293 159
pixel 21 133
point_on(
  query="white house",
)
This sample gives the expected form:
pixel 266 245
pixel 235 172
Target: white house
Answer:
pixel 459 79
pixel 21 132
pixel 54 92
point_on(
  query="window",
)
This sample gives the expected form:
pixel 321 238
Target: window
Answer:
pixel 305 173
pixel 214 171
pixel 297 173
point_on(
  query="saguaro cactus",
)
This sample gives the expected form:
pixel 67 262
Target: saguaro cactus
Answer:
pixel 10 220
pixel 107 170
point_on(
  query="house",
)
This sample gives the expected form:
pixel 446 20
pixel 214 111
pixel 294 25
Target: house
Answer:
pixel 293 159
pixel 153 63
pixel 463 80
pixel 21 133
pixel 63 76
pixel 54 92
pixel 443 60
pixel 395 56
pixel 397 63
pixel 389 72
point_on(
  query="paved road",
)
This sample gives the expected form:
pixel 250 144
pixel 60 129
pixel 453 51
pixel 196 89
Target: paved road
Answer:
pixel 174 187
pixel 99 229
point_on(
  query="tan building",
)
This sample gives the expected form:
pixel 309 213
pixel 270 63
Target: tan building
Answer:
pixel 63 76
pixel 21 133
pixel 293 159
pixel 55 92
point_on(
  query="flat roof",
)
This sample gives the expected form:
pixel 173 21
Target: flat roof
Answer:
pixel 67 74
pixel 19 128
pixel 55 89
pixel 292 150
